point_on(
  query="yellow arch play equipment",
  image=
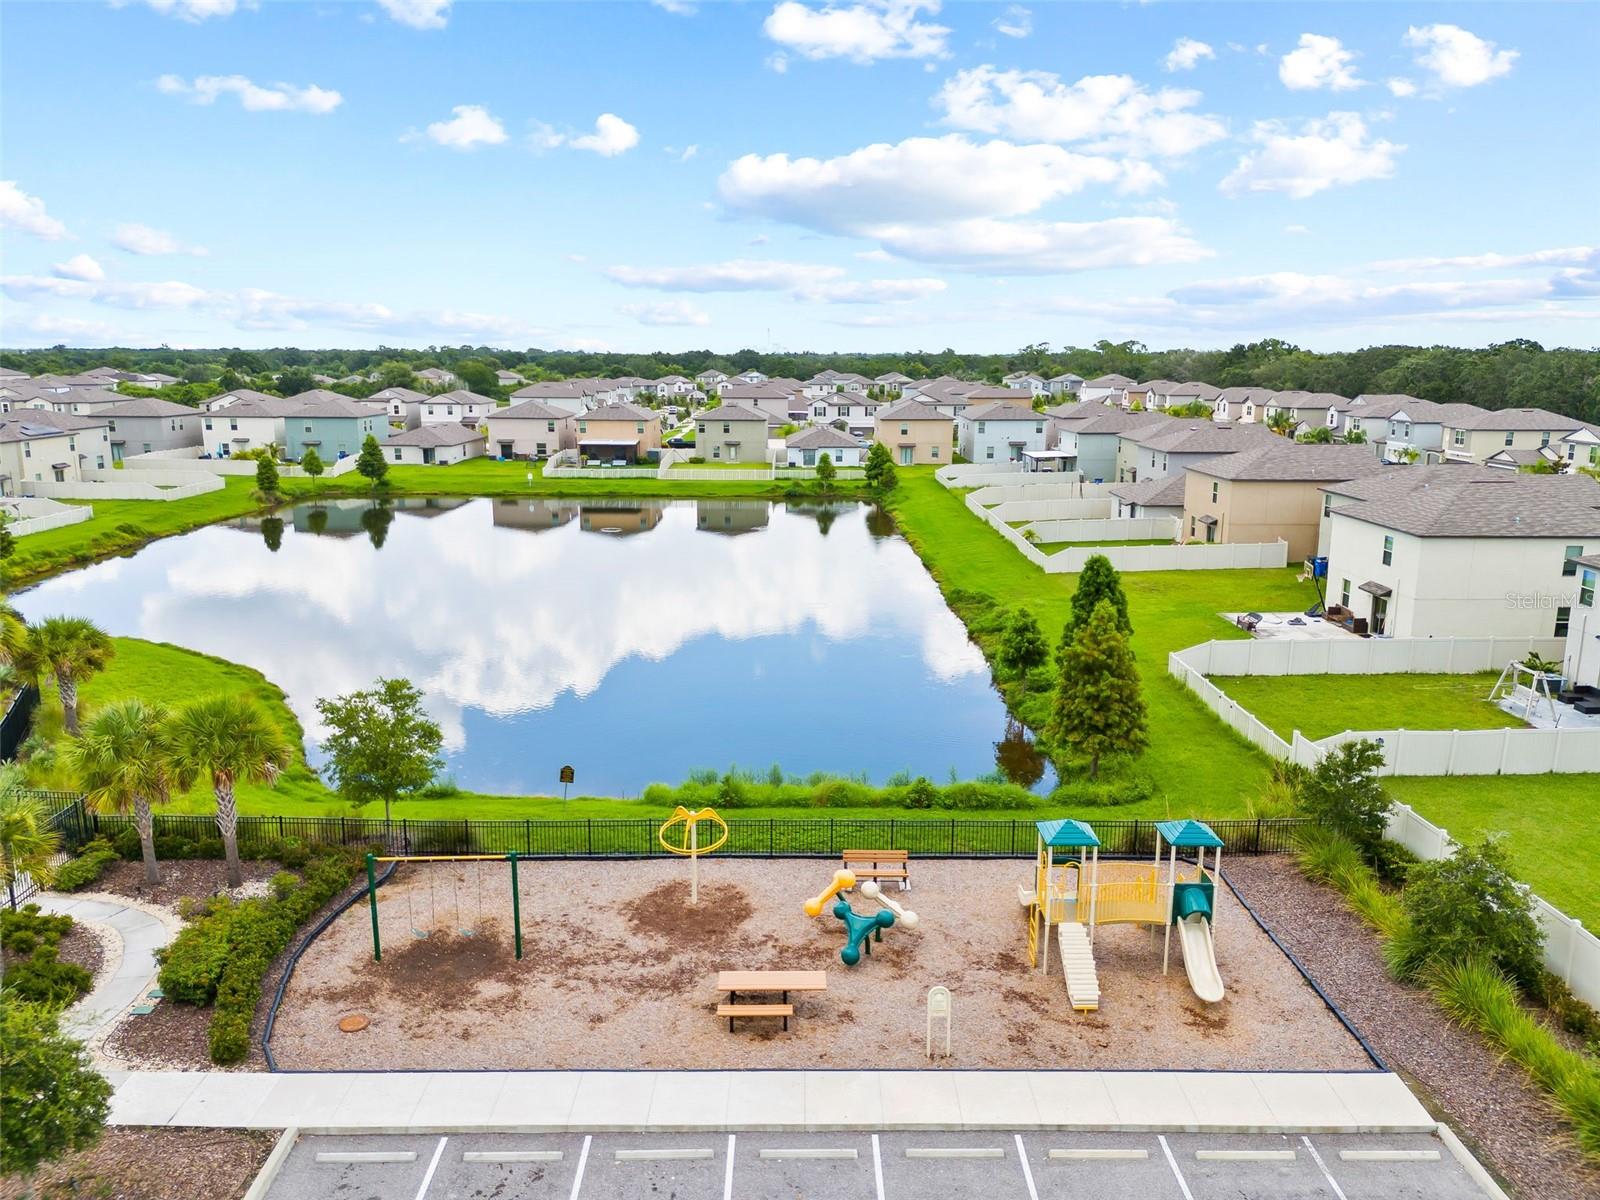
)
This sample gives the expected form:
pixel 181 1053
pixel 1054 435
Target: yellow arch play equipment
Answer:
pixel 689 845
pixel 842 881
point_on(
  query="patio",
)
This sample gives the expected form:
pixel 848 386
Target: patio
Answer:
pixel 1540 716
pixel 1285 626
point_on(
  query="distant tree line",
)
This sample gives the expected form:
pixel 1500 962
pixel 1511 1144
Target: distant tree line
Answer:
pixel 1514 374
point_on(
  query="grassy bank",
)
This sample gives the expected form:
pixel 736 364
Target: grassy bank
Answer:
pixel 122 526
pixel 1322 705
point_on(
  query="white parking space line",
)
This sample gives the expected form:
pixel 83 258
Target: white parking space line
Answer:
pixel 848 1152
pixel 583 1161
pixel 1388 1156
pixel 1245 1155
pixel 877 1166
pixel 511 1156
pixel 1183 1184
pixel 366 1156
pixel 433 1165
pixel 666 1154
pixel 1090 1154
pixel 1027 1171
pixel 955 1151
pixel 727 1175
pixel 1323 1167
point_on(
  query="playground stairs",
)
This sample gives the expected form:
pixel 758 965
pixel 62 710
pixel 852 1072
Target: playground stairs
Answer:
pixel 1077 964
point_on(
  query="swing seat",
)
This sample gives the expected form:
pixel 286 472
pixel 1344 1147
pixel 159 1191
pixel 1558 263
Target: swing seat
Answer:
pixel 419 933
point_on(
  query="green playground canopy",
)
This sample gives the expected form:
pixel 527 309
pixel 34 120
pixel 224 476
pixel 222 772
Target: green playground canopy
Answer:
pixel 1187 834
pixel 1067 832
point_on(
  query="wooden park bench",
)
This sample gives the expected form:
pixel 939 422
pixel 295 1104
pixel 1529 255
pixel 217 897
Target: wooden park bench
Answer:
pixel 880 864
pixel 731 1011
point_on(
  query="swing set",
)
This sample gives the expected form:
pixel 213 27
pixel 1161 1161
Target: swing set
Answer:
pixel 413 902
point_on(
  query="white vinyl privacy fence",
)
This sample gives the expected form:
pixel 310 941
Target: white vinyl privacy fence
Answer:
pixel 120 485
pixel 1571 952
pixel 188 460
pixel 35 514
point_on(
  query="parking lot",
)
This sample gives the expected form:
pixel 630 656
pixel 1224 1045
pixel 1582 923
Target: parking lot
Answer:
pixel 868 1166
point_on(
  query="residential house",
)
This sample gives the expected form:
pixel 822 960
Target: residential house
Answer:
pixel 569 396
pixel 1580 447
pixel 950 396
pixel 507 378
pixel 892 381
pixel 826 382
pixel 1180 395
pixel 438 444
pixel 1581 658
pixel 711 379
pixel 751 375
pixel 460 406
pixel 669 386
pixel 1544 459
pixel 1403 428
pixel 999 431
pixel 109 376
pixel 804 447
pixel 1025 381
pixel 731 433
pixel 620 518
pixel 915 433
pixel 438 377
pixel 67 383
pixel 1303 410
pixel 1157 451
pixel 731 516
pixel 404 405
pixel 535 516
pixel 771 402
pixel 40 446
pixel 246 424
pixel 1241 404
pixel 80 402
pixel 531 429
pixel 145 424
pixel 1474 438
pixel 1269 491
pixel 1065 384
pixel 1110 389
pixel 335 425
pixel 1162 497
pixel 619 432
pixel 1458 551
pixel 1142 394
pixel 155 380
pixel 855 409
pixel 12 375
pixel 1091 433
pixel 233 397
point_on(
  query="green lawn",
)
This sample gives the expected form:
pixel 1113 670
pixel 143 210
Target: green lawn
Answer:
pixel 1193 766
pixel 1549 819
pixel 1052 547
pixel 1322 705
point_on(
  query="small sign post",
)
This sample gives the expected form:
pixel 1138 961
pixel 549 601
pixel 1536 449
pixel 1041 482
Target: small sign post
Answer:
pixel 567 776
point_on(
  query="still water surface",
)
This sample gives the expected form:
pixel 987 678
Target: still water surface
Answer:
pixel 635 640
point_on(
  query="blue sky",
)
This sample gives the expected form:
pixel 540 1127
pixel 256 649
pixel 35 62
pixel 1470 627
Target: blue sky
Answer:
pixel 788 174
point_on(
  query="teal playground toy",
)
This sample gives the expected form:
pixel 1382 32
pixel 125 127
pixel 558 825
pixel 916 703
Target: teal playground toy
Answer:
pixel 857 928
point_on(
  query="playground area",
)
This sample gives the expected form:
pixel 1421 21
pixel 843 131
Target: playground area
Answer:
pixel 619 969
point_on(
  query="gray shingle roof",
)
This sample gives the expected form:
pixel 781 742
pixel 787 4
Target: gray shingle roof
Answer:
pixel 1468 502
pixel 1519 419
pixel 320 403
pixel 444 433
pixel 1112 381
pixel 730 412
pixel 620 410
pixel 1163 492
pixel 462 396
pixel 1001 410
pixel 148 406
pixel 911 410
pixel 1222 437
pixel 821 437
pixel 529 410
pixel 1283 461
pixel 1099 419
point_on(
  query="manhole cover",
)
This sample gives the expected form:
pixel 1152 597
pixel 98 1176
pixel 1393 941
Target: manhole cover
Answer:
pixel 354 1023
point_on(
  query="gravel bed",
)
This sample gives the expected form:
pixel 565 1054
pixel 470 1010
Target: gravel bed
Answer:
pixel 1489 1099
pixel 153 1164
pixel 619 971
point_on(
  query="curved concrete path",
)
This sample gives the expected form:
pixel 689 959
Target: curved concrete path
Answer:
pixel 123 982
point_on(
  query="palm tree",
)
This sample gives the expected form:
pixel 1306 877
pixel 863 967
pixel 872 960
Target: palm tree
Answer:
pixel 27 843
pixel 122 764
pixel 13 631
pixel 67 650
pixel 229 738
pixel 1281 421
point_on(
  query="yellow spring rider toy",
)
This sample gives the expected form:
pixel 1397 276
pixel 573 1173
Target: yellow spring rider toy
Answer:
pixel 688 844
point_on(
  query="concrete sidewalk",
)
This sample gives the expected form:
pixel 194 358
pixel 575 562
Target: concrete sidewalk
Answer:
pixel 599 1101
pixel 124 982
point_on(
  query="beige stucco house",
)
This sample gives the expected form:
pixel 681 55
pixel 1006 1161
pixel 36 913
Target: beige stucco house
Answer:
pixel 531 429
pixel 1473 438
pixel 1269 492
pixel 619 431
pixel 916 434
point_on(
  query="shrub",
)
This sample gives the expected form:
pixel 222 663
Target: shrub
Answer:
pixel 193 962
pixel 78 873
pixel 1468 905
pixel 41 979
pixel 920 793
pixel 53 1098
pixel 21 930
pixel 1343 790
pixel 283 883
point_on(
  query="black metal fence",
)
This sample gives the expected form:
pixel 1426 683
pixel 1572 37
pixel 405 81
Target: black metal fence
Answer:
pixel 67 817
pixel 18 715
pixel 820 837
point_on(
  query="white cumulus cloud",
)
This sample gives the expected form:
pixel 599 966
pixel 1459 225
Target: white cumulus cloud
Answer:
pixel 862 33
pixel 1318 62
pixel 1400 86
pixel 19 210
pixel 1015 22
pixel 145 240
pixel 678 8
pixel 612 136
pixel 1322 153
pixel 734 275
pixel 79 266
pixel 252 97
pixel 667 312
pixel 1457 58
pixel 990 246
pixel 1112 113
pixel 470 125
pixel 1186 52
pixel 419 14
pixel 189 10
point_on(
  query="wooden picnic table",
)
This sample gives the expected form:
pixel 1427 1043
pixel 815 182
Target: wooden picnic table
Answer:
pixel 784 982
